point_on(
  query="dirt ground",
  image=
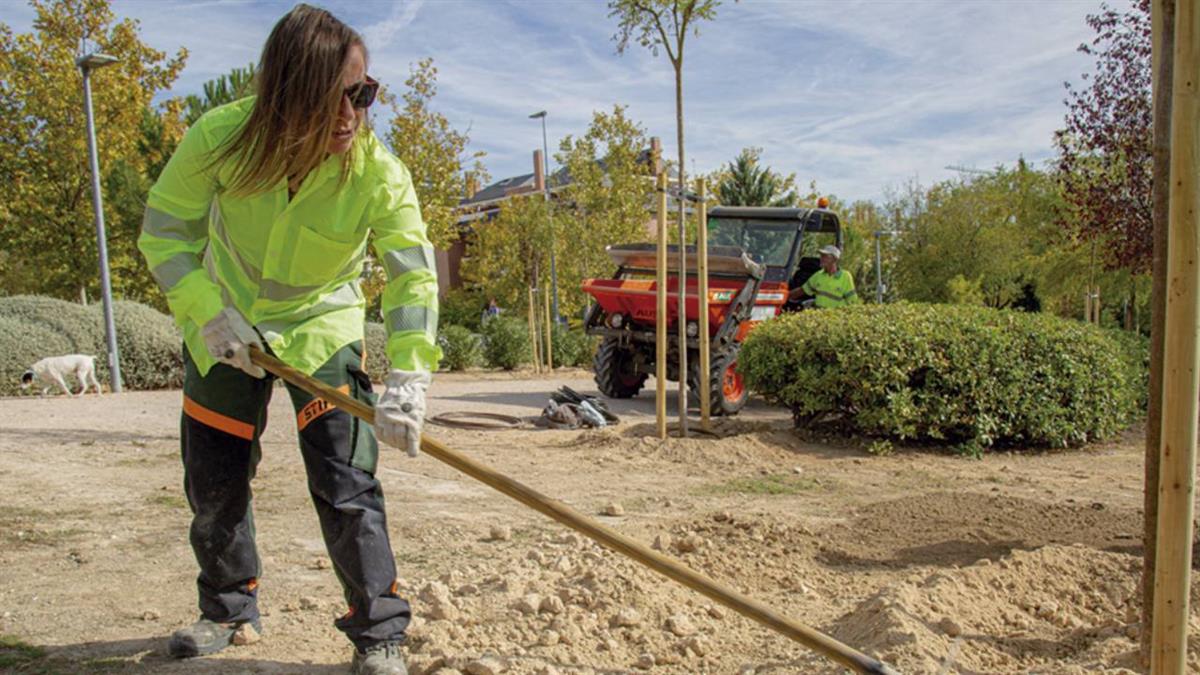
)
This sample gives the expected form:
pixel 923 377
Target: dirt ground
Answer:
pixel 1018 563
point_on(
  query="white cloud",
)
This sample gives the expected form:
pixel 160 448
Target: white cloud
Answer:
pixel 381 34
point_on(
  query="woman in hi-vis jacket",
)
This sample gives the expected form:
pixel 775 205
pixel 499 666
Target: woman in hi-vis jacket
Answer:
pixel 257 231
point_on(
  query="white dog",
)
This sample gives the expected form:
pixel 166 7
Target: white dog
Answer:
pixel 54 370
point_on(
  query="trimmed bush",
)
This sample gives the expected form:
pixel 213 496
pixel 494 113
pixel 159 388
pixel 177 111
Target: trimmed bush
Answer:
pixel 1135 349
pixel 572 348
pixel 22 343
pixel 376 346
pixel 150 346
pixel 506 343
pixel 82 327
pixel 972 376
pixel 461 348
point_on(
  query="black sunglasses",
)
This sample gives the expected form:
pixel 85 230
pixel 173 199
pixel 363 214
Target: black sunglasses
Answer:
pixel 362 94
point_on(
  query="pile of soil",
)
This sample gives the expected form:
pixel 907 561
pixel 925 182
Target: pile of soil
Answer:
pixel 1061 609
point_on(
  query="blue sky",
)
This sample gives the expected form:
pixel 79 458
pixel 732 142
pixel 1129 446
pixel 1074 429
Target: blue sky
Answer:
pixel 859 96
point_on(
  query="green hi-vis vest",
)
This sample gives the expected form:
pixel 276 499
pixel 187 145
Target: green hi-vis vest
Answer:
pixel 291 267
pixel 831 290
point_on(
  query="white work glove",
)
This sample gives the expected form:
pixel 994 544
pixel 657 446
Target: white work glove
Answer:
pixel 228 337
pixel 400 413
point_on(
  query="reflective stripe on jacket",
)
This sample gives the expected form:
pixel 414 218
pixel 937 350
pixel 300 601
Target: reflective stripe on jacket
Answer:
pixel 831 290
pixel 292 267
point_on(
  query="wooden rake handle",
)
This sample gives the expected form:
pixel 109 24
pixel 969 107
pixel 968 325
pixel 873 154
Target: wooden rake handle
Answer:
pixel 744 605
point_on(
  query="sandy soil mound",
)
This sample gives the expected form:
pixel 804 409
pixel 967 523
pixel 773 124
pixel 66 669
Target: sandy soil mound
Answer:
pixel 567 604
pixel 959 528
pixel 744 444
pixel 1059 609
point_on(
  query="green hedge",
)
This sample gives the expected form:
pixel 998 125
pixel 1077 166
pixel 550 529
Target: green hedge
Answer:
pixel 150 346
pixel 506 343
pixel 81 326
pixel 461 348
pixel 148 342
pixel 967 375
pixel 1135 349
pixel 572 348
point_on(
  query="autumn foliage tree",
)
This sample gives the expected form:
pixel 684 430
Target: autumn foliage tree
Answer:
pixel 434 152
pixel 988 239
pixel 47 233
pixel 604 202
pixel 1105 150
pixel 511 253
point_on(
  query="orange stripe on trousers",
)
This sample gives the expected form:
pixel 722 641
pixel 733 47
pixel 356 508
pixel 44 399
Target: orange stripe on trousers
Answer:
pixel 216 420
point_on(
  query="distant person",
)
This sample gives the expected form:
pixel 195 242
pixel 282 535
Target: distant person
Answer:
pixel 256 230
pixel 490 311
pixel 829 286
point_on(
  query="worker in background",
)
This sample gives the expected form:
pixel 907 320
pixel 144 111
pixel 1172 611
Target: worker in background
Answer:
pixel 828 286
pixel 256 230
pixel 490 311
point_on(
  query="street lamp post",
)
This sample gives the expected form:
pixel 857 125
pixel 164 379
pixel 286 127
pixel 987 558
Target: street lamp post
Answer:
pixel 87 63
pixel 541 114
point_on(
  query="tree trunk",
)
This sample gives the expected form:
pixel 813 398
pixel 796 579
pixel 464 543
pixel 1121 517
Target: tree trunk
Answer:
pixel 1163 20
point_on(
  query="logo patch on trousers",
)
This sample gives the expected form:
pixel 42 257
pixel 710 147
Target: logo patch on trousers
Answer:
pixel 315 408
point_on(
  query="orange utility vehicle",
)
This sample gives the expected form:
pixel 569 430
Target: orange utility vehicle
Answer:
pixel 755 256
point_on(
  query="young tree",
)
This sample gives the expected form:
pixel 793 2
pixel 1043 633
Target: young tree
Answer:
pixel 745 182
pixel 665 24
pixel 1105 150
pixel 47 221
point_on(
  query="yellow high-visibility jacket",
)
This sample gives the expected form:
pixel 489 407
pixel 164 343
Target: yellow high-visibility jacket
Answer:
pixel 291 267
pixel 831 290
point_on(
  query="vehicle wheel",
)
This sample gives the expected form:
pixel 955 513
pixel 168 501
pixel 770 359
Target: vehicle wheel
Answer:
pixel 616 375
pixel 727 393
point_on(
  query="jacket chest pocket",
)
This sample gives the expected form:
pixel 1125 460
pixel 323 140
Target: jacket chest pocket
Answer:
pixel 321 256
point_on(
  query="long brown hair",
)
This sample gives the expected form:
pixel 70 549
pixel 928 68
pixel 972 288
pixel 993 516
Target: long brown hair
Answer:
pixel 299 91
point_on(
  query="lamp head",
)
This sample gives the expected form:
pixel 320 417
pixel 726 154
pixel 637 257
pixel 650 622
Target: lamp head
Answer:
pixel 95 60
pixel 537 115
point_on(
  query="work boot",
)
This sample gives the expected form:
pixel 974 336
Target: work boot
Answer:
pixel 384 658
pixel 209 637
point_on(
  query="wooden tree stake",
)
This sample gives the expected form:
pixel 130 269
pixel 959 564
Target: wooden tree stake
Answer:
pixel 1181 365
pixel 702 296
pixel 660 327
